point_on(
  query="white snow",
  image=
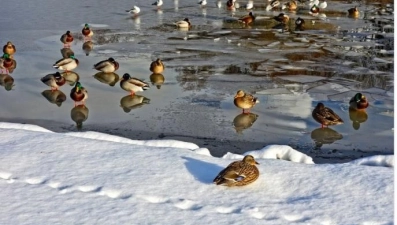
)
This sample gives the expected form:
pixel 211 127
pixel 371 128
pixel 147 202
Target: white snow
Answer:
pixel 95 178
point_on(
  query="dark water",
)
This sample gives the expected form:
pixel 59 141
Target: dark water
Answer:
pixel 289 71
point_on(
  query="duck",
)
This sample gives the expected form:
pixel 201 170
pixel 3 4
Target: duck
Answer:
pixel 132 84
pixel 185 23
pixel 87 32
pixel 272 4
pixel 358 102
pixel 133 102
pixel 7 63
pixel 135 10
pixel 247 19
pixel 53 80
pixel 79 114
pixel 245 101
pixel 87 47
pixel 66 64
pixel 291 5
pixel 78 94
pixel 9 49
pixel 7 81
pixel 157 66
pixel 299 24
pixel 157 79
pixel 325 116
pixel 314 9
pixel 238 173
pixel 108 66
pixel 353 12
pixel 323 4
pixel 202 2
pixel 158 3
pixel 66 39
pixel 56 97
pixel 230 4
pixel 249 5
pixel 282 18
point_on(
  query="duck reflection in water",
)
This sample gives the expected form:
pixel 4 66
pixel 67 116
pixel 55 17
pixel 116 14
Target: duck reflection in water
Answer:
pixel 66 53
pixel 244 121
pixel 357 117
pixel 325 135
pixel 71 77
pixel 87 47
pixel 79 114
pixel 7 81
pixel 55 97
pixel 130 102
pixel 107 78
pixel 157 79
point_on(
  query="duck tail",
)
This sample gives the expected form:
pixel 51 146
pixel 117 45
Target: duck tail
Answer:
pixel 256 100
pixel 55 66
pixel 146 87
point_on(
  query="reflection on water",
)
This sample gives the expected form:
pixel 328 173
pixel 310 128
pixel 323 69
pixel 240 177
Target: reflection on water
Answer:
pixel 244 121
pixel 129 102
pixel 71 77
pixel 107 78
pixel 325 135
pixel 79 114
pixel 6 81
pixel 54 97
pixel 66 52
pixel 87 47
pixel 357 117
pixel 157 79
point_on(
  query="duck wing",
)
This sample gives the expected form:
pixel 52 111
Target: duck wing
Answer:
pixel 328 114
pixel 102 64
pixel 138 82
pixel 63 62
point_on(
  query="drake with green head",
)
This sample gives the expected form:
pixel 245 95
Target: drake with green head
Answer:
pixel 78 94
pixel 66 64
pixel 9 48
pixel 325 116
pixel 359 102
pixel 87 32
pixel 7 63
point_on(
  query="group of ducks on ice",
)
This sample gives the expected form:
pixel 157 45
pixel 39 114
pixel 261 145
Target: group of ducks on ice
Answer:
pixel 238 173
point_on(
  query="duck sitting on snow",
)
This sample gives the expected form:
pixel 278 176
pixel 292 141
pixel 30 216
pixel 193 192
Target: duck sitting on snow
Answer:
pixel 245 101
pixel 325 116
pixel 359 102
pixel 238 173
pixel 132 84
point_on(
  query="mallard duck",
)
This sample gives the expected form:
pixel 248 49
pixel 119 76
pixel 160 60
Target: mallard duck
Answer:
pixel 7 63
pixel 78 94
pixel 299 24
pixel 353 12
pixel 108 66
pixel 282 18
pixel 9 49
pixel 66 52
pixel 359 102
pixel 87 47
pixel 249 5
pixel 157 79
pixel 247 19
pixel 158 3
pixel 107 78
pixel 132 84
pixel 157 66
pixel 245 101
pixel 238 173
pixel 79 114
pixel 55 97
pixel 133 102
pixel 325 116
pixel 71 77
pixel 272 4
pixel 66 64
pixel 185 23
pixel 135 10
pixel 87 32
pixel 202 2
pixel 357 117
pixel 230 4
pixel 244 121
pixel 291 5
pixel 53 80
pixel 66 39
pixel 323 4
pixel 7 81
pixel 314 9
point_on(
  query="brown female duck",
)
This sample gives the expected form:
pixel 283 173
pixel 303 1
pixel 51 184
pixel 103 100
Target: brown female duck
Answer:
pixel 245 101
pixel 325 116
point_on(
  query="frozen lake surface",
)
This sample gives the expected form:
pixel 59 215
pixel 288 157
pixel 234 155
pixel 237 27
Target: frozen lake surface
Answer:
pixel 289 71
